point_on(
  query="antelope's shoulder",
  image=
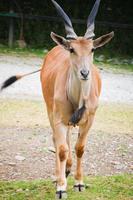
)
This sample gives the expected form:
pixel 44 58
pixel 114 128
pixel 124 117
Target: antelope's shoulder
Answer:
pixel 56 57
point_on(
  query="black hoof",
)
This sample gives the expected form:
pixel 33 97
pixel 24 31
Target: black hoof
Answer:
pixel 67 172
pixel 79 188
pixel 61 195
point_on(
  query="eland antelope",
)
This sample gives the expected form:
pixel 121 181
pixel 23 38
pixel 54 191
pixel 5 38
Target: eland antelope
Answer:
pixel 71 87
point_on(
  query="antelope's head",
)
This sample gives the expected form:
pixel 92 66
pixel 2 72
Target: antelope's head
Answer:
pixel 81 48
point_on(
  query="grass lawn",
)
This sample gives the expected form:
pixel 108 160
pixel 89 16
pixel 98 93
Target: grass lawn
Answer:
pixel 99 188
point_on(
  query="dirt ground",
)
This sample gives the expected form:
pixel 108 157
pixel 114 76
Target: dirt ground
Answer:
pixel 25 153
pixel 25 134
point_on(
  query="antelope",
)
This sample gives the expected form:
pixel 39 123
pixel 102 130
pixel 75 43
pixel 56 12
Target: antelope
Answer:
pixel 71 86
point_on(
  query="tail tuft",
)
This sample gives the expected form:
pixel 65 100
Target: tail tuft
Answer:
pixel 13 79
pixel 9 81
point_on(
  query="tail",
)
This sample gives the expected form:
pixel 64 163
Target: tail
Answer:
pixel 13 79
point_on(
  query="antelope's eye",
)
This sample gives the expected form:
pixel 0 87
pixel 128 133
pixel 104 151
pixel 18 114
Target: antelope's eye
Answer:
pixel 71 50
pixel 92 49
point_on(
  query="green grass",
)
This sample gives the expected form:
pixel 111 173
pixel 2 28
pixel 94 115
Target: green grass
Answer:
pixel 118 187
pixel 23 52
pixel 116 63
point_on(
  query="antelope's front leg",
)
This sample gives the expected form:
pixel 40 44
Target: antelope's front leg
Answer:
pixel 79 148
pixel 61 145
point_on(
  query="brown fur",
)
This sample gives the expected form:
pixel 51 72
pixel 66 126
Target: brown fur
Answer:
pixel 79 151
pixel 54 76
pixel 62 153
pixel 69 163
pixel 78 176
pixel 60 181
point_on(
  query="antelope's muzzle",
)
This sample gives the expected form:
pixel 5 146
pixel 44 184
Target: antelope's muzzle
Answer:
pixel 84 74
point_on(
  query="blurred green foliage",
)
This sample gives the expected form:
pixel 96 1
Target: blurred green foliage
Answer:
pixel 37 32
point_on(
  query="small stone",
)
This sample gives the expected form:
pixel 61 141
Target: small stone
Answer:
pixel 43 159
pixel 131 167
pixel 12 164
pixel 51 149
pixel 119 167
pixel 115 162
pixel 100 58
pixel 20 158
pixel 45 149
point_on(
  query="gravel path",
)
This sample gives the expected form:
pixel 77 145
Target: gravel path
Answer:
pixel 26 155
pixel 115 87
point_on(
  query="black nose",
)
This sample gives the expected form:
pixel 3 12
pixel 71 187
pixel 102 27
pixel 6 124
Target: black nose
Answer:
pixel 84 73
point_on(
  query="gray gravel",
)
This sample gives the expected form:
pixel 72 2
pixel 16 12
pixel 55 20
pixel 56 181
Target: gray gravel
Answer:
pixel 26 154
pixel 115 87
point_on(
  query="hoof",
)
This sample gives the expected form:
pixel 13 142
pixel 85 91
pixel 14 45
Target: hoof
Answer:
pixel 61 195
pixel 67 172
pixel 79 188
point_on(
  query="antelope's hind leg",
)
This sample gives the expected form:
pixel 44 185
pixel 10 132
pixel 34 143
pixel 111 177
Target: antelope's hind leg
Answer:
pixel 69 159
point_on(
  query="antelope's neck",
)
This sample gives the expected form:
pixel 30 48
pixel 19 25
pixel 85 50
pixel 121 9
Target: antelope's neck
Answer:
pixel 77 90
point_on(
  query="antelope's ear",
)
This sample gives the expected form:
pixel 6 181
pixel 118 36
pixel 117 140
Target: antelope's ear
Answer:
pixel 99 42
pixel 60 40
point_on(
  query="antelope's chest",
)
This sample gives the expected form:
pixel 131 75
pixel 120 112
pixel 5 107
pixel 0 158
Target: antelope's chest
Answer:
pixel 74 97
pixel 74 91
